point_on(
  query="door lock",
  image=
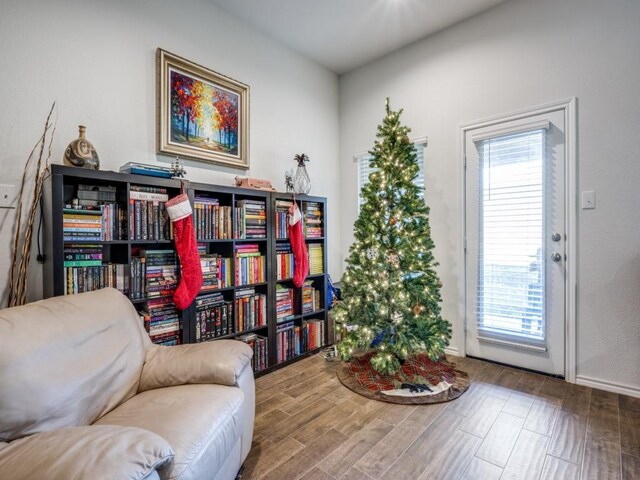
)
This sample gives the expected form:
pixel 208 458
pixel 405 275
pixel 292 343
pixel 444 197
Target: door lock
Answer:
pixel 556 257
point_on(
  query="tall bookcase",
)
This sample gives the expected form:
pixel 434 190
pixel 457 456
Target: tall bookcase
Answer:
pixel 236 230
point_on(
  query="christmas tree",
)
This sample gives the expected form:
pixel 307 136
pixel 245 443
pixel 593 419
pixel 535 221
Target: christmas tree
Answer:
pixel 390 290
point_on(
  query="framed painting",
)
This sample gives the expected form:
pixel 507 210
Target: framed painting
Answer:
pixel 202 115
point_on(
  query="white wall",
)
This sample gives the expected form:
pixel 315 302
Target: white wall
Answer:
pixel 97 60
pixel 518 55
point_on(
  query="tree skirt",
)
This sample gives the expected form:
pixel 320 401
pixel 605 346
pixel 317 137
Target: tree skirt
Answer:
pixel 419 380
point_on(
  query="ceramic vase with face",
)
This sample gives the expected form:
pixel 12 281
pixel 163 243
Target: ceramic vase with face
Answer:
pixel 81 153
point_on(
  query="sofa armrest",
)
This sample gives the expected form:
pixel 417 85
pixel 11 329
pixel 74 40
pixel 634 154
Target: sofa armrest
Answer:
pixel 220 362
pixel 99 452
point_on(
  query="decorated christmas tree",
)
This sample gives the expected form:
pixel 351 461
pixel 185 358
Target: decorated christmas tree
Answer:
pixel 390 290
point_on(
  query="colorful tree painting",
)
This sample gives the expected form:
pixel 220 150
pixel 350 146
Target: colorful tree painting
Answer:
pixel 203 115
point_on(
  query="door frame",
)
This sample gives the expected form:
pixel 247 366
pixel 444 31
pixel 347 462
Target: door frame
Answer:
pixel 569 108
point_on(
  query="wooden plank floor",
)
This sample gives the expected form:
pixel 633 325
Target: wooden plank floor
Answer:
pixel 510 424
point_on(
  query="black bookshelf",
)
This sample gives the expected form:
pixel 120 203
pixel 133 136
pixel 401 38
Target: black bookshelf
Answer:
pixel 63 182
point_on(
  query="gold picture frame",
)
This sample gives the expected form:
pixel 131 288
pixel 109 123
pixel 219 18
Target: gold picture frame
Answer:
pixel 201 114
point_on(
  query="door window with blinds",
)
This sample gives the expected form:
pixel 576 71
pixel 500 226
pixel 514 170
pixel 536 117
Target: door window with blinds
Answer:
pixel 511 210
pixel 365 169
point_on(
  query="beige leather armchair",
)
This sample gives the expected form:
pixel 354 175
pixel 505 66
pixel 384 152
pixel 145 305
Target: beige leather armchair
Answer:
pixel 84 394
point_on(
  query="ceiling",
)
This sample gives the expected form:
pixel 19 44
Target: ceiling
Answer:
pixel 345 34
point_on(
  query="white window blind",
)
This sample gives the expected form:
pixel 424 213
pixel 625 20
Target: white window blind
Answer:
pixel 511 231
pixel 365 169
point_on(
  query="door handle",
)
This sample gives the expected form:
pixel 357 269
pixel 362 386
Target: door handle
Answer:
pixel 556 237
pixel 556 257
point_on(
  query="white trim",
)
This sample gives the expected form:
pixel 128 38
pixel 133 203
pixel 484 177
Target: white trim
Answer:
pixel 569 106
pixel 179 210
pixel 453 351
pixel 608 386
pixel 502 131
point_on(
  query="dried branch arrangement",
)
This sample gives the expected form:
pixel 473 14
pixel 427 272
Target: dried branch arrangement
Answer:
pixel 23 233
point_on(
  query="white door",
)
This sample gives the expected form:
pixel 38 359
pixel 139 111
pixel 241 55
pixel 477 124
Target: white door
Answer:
pixel 515 242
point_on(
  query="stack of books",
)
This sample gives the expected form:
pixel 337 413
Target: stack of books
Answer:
pixel 82 255
pixel 259 346
pixel 251 309
pixel 142 169
pixel 251 219
pixel 284 303
pixel 216 271
pixel 212 221
pixel 312 334
pixel 162 321
pixel 312 220
pixel 310 298
pixel 285 263
pixel 214 317
pixel 316 258
pixel 148 219
pixel 282 214
pixel 86 279
pixel 250 264
pixel 82 223
pixel 161 272
pixel 137 278
pixel 287 341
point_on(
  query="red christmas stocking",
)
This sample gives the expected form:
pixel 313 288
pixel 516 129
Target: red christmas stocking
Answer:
pixel 299 247
pixel 180 213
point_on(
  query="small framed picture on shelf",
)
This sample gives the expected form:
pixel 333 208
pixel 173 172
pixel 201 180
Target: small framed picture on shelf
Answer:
pixel 201 114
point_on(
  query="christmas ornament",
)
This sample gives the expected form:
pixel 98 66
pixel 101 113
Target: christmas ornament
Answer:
pixel 417 309
pixel 184 235
pixel 393 259
pixel 371 253
pixel 393 221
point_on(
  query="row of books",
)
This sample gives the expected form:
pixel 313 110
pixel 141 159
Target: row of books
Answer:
pixel 250 264
pixel 260 352
pixel 284 303
pixel 214 317
pixel 251 309
pixel 285 262
pixel 282 215
pixel 316 258
pixel 148 219
pixel 216 271
pixel 312 334
pixel 87 279
pixel 162 321
pixel 287 341
pixel 212 221
pixel 153 273
pixel 312 213
pixel 251 219
pixel 310 298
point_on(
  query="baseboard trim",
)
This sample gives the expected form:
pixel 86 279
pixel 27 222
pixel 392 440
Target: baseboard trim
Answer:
pixel 608 386
pixel 452 351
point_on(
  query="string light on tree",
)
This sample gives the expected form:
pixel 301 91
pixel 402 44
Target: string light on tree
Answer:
pixel 390 264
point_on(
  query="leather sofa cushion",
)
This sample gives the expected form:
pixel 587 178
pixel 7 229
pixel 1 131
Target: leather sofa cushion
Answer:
pixel 93 452
pixel 219 362
pixel 202 423
pixel 66 361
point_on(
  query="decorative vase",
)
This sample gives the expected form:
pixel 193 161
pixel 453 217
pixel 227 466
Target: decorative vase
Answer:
pixel 301 181
pixel 81 153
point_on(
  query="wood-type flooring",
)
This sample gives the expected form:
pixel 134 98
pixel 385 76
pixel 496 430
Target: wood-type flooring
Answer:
pixel 510 424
